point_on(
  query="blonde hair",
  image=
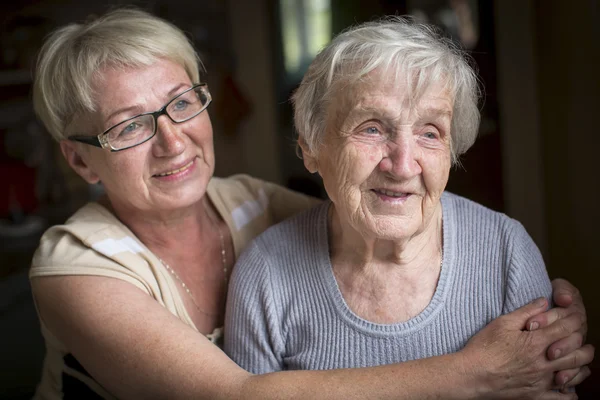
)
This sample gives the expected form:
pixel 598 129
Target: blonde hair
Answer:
pixel 71 56
pixel 395 45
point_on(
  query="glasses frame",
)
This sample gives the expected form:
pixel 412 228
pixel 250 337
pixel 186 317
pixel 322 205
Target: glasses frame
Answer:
pixel 101 140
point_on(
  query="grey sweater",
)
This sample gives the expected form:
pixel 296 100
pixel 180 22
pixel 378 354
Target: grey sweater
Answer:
pixel 285 310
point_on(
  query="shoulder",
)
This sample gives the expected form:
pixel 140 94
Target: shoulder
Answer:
pixel 246 198
pixel 285 252
pixel 88 240
pixel 76 234
pixel 242 191
pixel 467 213
pixel 294 239
pixel 302 228
pixel 242 185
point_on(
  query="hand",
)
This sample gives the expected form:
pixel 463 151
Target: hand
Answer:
pixel 511 362
pixel 568 301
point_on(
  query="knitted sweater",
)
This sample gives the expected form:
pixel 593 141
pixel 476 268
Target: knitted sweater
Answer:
pixel 285 309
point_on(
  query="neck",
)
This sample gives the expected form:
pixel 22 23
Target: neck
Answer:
pixel 350 247
pixel 168 231
pixel 386 281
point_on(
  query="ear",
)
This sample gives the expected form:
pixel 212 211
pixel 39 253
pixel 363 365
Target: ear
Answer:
pixel 74 158
pixel 310 161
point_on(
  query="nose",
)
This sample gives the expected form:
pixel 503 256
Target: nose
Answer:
pixel 169 140
pixel 402 159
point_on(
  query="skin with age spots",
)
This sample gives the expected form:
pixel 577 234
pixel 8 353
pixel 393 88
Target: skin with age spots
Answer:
pixel 385 165
pixel 385 161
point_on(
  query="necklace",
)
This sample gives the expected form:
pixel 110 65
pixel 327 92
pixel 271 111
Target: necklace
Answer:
pixel 217 333
pixel 186 288
pixel 223 260
pixel 222 241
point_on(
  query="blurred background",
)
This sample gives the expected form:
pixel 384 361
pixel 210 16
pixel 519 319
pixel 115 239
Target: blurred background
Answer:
pixel 535 159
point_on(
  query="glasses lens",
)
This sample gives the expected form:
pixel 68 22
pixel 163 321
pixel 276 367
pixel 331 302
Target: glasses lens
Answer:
pixel 188 104
pixel 131 132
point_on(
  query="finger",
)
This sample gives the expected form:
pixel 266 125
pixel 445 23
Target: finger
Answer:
pixel 564 346
pixel 579 376
pixel 554 395
pixel 546 318
pixel 569 378
pixel 577 306
pixel 562 328
pixel 576 359
pixel 562 378
pixel 563 293
pixel 519 317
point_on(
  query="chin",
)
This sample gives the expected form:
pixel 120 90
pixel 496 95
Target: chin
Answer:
pixel 390 228
pixel 179 199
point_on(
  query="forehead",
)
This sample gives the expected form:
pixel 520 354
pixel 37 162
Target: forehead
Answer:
pixel 382 88
pixel 119 84
pixel 391 97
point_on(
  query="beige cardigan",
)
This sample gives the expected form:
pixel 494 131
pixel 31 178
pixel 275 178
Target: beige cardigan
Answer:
pixel 94 242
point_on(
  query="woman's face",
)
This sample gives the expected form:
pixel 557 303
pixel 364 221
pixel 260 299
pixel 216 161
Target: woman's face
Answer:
pixel 384 161
pixel 168 172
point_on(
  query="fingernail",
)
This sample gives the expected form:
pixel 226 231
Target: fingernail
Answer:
pixel 533 326
pixel 556 356
pixel 540 302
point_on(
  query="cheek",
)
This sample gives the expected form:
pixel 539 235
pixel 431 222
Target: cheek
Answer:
pixel 124 170
pixel 355 163
pixel 200 129
pixel 436 172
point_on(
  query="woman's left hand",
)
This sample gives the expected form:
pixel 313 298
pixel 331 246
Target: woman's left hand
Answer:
pixel 568 302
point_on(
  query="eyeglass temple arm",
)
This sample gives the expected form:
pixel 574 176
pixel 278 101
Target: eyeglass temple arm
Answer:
pixel 93 140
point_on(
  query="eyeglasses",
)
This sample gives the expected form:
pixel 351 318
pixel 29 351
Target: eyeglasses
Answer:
pixel 141 128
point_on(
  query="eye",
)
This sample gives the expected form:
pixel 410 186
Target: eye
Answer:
pixel 372 130
pixel 129 129
pixel 430 132
pixel 180 104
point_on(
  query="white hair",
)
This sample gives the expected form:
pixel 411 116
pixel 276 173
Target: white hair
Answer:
pixel 408 50
pixel 72 55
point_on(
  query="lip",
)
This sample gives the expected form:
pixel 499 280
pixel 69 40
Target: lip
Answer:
pixel 392 192
pixel 176 170
pixel 392 195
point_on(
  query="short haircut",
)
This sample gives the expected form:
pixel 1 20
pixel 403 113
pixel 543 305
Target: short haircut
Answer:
pixel 398 45
pixel 71 56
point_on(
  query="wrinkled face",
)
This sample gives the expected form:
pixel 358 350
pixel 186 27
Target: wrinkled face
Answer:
pixel 384 161
pixel 169 171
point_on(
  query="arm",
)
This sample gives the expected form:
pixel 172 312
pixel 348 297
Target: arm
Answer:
pixel 253 336
pixel 528 279
pixel 568 304
pixel 137 349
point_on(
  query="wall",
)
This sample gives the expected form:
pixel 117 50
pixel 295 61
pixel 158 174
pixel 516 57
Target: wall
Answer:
pixel 548 73
pixel 567 36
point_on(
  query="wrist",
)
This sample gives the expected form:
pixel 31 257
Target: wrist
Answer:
pixel 473 380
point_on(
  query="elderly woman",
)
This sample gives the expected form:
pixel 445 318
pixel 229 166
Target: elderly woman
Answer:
pixel 131 289
pixel 392 268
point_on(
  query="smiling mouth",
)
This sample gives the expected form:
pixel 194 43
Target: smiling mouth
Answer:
pixel 390 193
pixel 176 170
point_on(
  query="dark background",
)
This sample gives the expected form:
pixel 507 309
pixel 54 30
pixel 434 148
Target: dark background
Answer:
pixel 535 159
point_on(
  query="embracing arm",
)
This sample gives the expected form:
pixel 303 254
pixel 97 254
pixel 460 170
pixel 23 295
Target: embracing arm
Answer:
pixel 568 303
pixel 137 349
pixel 528 279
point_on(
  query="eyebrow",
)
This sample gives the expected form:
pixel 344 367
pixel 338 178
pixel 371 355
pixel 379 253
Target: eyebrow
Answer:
pixel 138 108
pixel 437 111
pixel 427 112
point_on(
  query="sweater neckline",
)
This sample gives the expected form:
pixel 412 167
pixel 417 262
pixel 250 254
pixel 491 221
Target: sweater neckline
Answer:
pixel 419 321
